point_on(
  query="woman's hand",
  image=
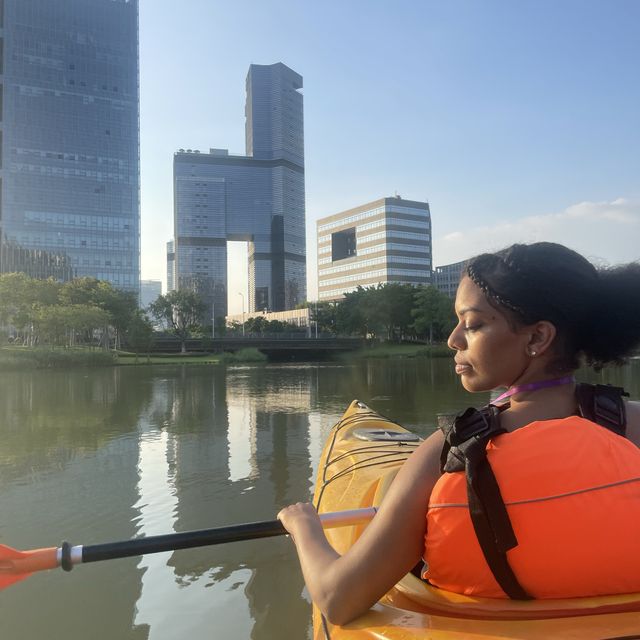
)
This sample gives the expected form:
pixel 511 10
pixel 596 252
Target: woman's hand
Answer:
pixel 301 515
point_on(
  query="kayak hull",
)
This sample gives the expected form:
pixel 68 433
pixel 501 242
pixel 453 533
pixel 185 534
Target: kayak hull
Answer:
pixel 362 455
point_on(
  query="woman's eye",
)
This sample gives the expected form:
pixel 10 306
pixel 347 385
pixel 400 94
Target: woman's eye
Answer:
pixel 472 328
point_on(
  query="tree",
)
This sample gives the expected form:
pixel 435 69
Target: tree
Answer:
pixel 139 333
pixel 121 306
pixel 389 307
pixel 351 317
pixel 257 324
pixel 433 314
pixel 181 310
pixel 325 315
pixel 58 324
pixel 20 296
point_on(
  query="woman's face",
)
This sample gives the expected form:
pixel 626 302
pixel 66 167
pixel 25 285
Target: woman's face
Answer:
pixel 490 353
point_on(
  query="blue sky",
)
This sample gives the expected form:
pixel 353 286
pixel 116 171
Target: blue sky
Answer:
pixel 518 120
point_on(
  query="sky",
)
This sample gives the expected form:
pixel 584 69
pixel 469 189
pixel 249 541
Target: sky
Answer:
pixel 518 121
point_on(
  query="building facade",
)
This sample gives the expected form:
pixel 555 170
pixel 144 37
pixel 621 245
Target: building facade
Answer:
pixel 36 263
pixel 447 277
pixel 171 266
pixel 70 135
pixel 257 198
pixel 149 292
pixel 388 240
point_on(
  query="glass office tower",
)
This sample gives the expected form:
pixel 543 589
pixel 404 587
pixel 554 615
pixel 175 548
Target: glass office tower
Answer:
pixel 70 134
pixel 258 198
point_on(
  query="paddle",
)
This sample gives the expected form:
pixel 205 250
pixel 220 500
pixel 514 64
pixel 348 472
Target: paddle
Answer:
pixel 16 565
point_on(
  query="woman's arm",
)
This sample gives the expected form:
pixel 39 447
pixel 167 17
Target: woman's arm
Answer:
pixel 343 587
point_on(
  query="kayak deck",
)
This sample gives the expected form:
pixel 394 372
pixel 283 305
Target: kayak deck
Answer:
pixel 362 455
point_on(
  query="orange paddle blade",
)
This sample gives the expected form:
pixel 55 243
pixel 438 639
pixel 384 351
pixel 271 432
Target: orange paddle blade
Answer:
pixel 16 565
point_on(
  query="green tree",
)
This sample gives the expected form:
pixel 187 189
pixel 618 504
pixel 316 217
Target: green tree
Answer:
pixel 276 326
pixel 325 314
pixel 58 324
pixel 389 308
pixel 121 306
pixel 181 310
pixel 257 324
pixel 20 296
pixel 433 314
pixel 350 315
pixel 139 333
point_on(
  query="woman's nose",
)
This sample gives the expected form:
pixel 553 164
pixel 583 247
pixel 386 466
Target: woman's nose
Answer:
pixel 456 339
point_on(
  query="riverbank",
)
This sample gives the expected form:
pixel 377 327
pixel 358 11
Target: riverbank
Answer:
pixel 12 358
pixel 392 350
pixel 15 358
pixel 243 355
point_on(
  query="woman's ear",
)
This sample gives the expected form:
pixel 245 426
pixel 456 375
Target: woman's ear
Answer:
pixel 542 335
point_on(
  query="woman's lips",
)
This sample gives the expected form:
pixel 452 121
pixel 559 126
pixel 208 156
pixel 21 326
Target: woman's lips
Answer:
pixel 462 368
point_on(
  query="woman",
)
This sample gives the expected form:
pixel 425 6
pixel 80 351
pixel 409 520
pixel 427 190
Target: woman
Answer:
pixel 527 317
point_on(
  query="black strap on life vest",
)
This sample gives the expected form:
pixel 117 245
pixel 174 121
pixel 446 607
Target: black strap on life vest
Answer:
pixel 465 450
pixel 466 439
pixel 603 404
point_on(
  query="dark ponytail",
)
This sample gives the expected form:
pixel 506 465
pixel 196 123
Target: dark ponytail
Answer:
pixel 596 312
pixel 615 325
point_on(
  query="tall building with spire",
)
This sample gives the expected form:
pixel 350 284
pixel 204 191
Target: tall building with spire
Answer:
pixel 257 198
pixel 70 136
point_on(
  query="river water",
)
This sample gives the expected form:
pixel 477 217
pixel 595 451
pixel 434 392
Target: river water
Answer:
pixel 95 456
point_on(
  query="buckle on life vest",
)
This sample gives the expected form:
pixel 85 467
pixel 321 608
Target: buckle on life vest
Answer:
pixel 471 429
pixel 471 423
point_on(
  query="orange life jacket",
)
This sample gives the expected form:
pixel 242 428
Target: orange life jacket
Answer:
pixel 572 493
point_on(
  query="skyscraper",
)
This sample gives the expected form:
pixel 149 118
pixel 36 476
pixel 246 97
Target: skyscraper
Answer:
pixel 70 134
pixel 171 266
pixel 257 198
pixel 149 292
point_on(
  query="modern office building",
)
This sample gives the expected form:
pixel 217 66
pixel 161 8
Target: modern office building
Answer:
pixel 388 240
pixel 36 263
pixel 447 277
pixel 149 292
pixel 70 135
pixel 171 266
pixel 257 198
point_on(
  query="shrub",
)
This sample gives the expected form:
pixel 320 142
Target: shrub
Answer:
pixel 244 355
pixel 48 358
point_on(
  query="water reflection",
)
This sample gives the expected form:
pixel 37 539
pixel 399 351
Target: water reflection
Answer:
pixel 112 454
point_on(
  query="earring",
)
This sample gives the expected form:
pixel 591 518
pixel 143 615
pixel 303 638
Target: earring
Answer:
pixel 533 353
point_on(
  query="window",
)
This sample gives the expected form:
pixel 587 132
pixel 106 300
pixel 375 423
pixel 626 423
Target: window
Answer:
pixel 343 244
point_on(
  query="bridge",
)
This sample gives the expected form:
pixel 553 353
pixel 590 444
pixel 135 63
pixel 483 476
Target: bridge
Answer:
pixel 270 345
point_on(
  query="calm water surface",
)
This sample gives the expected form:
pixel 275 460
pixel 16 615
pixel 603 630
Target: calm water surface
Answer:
pixel 104 455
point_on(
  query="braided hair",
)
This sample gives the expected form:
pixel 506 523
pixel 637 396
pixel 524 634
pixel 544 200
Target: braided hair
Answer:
pixel 596 311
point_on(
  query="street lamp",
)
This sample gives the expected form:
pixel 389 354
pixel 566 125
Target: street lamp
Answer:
pixel 242 296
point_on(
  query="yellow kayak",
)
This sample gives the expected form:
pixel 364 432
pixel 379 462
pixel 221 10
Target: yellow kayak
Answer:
pixel 360 459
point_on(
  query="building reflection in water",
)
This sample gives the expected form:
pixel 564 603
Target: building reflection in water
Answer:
pixel 68 470
pixel 228 450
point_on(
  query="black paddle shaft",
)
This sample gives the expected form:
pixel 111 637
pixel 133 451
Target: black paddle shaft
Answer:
pixel 186 540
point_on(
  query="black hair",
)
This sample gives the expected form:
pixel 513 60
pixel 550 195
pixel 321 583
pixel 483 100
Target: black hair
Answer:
pixel 596 311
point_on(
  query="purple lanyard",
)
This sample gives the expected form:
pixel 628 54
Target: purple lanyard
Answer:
pixel 534 386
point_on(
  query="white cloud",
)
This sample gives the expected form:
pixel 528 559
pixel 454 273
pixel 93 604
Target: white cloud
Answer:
pixel 606 232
